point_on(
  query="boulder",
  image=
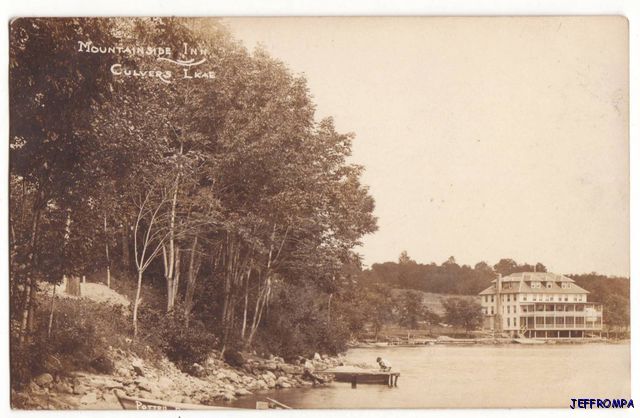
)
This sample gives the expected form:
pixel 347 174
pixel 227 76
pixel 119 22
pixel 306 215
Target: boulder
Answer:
pixel 124 372
pixel 242 392
pixel 233 376
pixel 137 366
pixel 271 383
pixel 308 365
pixel 79 389
pixel 269 375
pixel 63 387
pixel 317 357
pixel 34 388
pixel 143 384
pixel 197 370
pixel 44 380
pixel 270 365
pixel 283 383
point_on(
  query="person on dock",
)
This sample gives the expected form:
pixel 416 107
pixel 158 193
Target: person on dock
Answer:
pixel 385 366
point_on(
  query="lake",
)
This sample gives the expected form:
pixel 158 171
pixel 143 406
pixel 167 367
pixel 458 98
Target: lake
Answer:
pixel 476 376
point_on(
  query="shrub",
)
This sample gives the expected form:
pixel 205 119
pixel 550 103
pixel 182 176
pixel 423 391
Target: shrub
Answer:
pixel 80 336
pixel 233 358
pixel 183 346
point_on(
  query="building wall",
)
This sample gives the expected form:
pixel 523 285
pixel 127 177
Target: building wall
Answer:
pixel 512 316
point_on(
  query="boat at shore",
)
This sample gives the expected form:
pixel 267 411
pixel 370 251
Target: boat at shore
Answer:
pixel 143 404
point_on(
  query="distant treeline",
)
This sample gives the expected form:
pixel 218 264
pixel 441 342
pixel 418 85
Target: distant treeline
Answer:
pixel 452 278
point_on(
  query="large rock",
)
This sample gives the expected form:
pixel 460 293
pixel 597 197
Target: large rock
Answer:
pixel 137 366
pixel 233 376
pixel 197 370
pixel 44 380
pixel 270 365
pixel 242 392
pixel 124 372
pixel 269 375
pixel 63 387
pixel 317 357
pixel 143 384
pixel 79 389
pixel 283 382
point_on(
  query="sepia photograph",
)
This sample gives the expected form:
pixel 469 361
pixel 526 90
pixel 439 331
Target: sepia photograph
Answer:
pixel 319 212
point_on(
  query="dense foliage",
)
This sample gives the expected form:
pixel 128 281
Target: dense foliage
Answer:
pixel 228 194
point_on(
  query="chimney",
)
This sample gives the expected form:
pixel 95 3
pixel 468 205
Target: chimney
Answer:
pixel 498 318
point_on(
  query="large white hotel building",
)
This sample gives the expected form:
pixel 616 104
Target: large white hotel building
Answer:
pixel 540 305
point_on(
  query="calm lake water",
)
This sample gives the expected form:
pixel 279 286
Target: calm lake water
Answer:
pixel 475 377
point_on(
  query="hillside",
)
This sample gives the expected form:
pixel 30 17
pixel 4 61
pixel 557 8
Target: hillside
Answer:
pixel 433 300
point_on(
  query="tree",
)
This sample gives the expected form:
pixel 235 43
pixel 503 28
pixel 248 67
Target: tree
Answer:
pixel 616 311
pixel 411 310
pixel 505 266
pixel 463 312
pixel 52 149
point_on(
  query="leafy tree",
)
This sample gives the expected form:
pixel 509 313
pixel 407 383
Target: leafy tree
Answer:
pixel 616 311
pixel 463 312
pixel 411 310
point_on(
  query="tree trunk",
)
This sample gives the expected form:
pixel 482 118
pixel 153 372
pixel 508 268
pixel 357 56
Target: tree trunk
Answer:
pixel 194 266
pixel 126 256
pixel 246 303
pixel 176 280
pixel 106 251
pixel 136 304
pixel 170 257
pixel 53 298
pixel 30 284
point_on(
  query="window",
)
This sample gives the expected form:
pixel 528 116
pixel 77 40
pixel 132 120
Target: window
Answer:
pixel 508 309
pixel 524 297
pixel 508 298
pixel 549 285
pixel 491 298
pixel 508 322
pixel 492 310
pixel 566 298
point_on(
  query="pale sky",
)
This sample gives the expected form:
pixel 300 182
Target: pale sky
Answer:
pixel 482 138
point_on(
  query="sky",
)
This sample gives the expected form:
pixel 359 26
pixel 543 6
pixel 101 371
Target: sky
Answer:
pixel 482 138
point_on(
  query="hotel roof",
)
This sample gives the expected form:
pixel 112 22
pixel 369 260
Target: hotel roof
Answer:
pixel 521 284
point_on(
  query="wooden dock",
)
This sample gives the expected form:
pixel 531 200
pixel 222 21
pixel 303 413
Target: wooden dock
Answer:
pixel 356 375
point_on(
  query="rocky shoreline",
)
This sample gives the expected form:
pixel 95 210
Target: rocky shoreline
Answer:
pixel 212 383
